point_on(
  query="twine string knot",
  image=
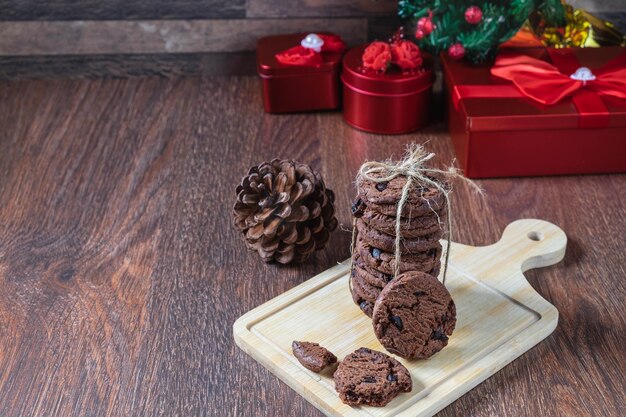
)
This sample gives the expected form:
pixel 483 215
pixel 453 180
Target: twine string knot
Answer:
pixel 413 167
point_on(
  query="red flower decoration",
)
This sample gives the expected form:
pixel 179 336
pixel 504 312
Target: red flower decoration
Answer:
pixel 332 44
pixel 406 55
pixel 377 56
pixel 456 51
pixel 299 55
pixel 473 15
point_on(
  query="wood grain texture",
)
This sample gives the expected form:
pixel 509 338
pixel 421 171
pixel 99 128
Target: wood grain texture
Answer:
pixel 338 8
pixel 120 9
pixel 499 317
pixel 211 9
pixel 121 275
pixel 124 66
pixel 161 36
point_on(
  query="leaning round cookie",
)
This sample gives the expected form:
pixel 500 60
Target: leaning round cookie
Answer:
pixel 427 224
pixel 421 199
pixel 385 262
pixel 387 243
pixel 414 315
pixel 371 378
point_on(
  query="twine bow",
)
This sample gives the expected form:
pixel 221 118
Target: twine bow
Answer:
pixel 412 166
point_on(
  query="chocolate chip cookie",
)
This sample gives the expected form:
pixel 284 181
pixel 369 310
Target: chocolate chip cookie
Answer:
pixel 384 196
pixel 362 288
pixel 369 274
pixel 387 243
pixel 385 261
pixel 366 307
pixel 377 278
pixel 363 293
pixel 312 356
pixel 427 224
pixel 414 315
pixel 371 378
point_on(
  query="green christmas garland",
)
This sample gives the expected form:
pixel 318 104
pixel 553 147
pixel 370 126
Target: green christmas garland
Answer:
pixel 473 29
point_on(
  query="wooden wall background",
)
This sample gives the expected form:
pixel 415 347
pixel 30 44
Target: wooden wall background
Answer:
pixel 125 37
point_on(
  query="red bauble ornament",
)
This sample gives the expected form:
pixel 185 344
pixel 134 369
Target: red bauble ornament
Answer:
pixel 456 51
pixel 473 15
pixel 425 26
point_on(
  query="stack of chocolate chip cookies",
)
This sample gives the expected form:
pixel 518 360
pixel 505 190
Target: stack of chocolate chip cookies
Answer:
pixel 422 223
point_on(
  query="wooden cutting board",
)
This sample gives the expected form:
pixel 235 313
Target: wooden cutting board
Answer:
pixel 500 316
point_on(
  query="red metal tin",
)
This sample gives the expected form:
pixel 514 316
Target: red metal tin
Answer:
pixel 291 88
pixel 389 103
pixel 508 136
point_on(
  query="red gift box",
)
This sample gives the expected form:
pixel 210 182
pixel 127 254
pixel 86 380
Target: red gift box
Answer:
pixel 296 88
pixel 498 131
pixel 390 103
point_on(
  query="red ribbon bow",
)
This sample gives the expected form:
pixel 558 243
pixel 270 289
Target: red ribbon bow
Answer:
pixel 304 56
pixel 543 82
pixel 548 84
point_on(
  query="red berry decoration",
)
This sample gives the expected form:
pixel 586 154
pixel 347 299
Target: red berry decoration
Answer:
pixel 425 26
pixel 456 51
pixel 473 15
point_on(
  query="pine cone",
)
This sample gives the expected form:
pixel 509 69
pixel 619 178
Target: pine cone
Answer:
pixel 284 211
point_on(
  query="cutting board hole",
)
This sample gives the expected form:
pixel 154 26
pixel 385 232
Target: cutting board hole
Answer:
pixel 536 236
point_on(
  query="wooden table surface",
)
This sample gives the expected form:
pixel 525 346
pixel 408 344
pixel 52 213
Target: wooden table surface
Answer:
pixel 121 276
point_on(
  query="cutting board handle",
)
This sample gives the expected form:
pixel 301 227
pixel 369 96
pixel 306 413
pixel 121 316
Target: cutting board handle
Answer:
pixel 525 244
pixel 541 242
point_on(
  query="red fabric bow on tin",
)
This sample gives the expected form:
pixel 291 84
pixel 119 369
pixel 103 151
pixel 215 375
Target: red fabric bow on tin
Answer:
pixel 378 56
pixel 543 82
pixel 308 53
pixel 549 83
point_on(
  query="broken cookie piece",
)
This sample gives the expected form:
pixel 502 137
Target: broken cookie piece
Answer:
pixel 371 378
pixel 312 356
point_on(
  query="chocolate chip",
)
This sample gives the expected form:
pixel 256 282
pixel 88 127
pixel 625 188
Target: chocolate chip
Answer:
pixel 388 277
pixel 375 253
pixel 418 293
pixel 369 379
pixel 358 207
pixel 439 335
pixel 351 395
pixel 392 378
pixel 397 321
pixel 363 305
pixel 381 186
pixel 66 275
pixel 432 252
